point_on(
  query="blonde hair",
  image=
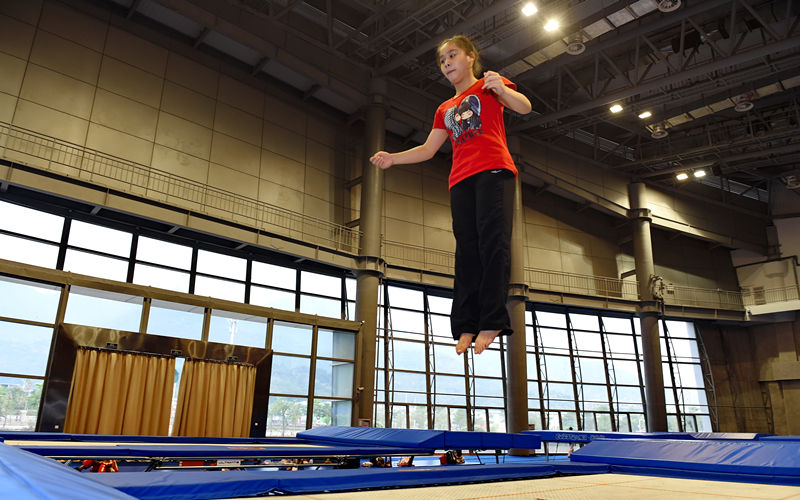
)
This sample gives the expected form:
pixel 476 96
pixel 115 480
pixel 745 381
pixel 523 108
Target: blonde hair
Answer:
pixel 465 44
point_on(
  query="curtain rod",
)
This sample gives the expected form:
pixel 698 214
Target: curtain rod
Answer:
pixel 161 355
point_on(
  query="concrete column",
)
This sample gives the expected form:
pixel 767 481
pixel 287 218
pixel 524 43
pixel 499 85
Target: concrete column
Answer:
pixel 369 272
pixel 648 309
pixel 516 359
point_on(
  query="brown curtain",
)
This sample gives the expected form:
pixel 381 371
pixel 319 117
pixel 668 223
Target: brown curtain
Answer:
pixel 120 393
pixel 215 399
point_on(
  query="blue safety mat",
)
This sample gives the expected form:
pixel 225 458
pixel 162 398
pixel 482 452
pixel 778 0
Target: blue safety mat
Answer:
pixel 721 456
pixel 439 440
pixel 62 436
pixel 184 450
pixel 780 438
pixel 28 476
pixel 730 435
pixel 706 475
pixel 561 436
pixel 190 485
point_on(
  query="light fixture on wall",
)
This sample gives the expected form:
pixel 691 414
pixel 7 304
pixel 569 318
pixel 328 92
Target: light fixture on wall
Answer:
pixel 659 131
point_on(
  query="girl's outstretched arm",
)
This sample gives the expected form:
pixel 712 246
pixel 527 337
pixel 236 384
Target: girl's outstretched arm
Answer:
pixel 508 97
pixel 414 155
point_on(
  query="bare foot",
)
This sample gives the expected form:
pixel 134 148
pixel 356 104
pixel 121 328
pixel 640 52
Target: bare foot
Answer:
pixel 464 342
pixel 485 337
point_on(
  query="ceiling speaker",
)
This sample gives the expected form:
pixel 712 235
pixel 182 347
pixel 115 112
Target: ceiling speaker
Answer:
pixel 668 5
pixel 659 131
pixel 576 45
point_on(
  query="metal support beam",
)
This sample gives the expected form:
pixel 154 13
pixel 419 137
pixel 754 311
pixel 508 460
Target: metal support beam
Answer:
pixel 201 37
pixel 368 278
pixel 656 84
pixel 651 346
pixel 516 356
pixel 482 15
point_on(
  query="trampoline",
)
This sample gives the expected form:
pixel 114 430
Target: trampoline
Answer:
pixel 753 459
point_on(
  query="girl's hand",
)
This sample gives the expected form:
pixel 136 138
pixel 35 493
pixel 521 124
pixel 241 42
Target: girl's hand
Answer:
pixel 382 159
pixel 492 81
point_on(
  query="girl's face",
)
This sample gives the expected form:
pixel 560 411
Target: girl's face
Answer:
pixel 455 64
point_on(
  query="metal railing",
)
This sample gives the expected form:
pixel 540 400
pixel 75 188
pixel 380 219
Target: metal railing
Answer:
pixel 71 160
pixel 702 297
pixel 770 295
pixel 105 170
pixel 558 281
pixel 429 259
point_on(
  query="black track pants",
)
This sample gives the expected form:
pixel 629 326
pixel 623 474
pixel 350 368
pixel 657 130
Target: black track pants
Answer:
pixel 482 207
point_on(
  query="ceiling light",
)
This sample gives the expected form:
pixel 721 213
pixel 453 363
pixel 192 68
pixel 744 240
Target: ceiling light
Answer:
pixel 699 173
pixel 551 25
pixel 529 9
pixel 668 5
pixel 616 108
pixel 682 176
pixel 645 114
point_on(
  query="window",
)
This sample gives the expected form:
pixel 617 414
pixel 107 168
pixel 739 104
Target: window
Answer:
pixel 172 319
pixel 291 338
pixel 30 222
pixel 217 264
pixel 274 276
pixel 162 264
pixel 92 264
pixel 25 348
pixel 336 344
pixel 164 253
pixel 160 277
pixel 19 403
pixel 605 356
pixel 290 375
pixel 320 284
pixel 286 416
pixel 28 300
pixel 321 294
pixel 267 297
pixel 86 306
pixel 219 288
pixel 99 238
pixel 238 329
pixel 28 251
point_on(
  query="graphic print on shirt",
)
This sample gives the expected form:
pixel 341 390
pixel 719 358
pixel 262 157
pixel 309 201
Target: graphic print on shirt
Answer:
pixel 464 120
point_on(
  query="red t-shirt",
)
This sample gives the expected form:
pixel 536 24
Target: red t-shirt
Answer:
pixel 474 122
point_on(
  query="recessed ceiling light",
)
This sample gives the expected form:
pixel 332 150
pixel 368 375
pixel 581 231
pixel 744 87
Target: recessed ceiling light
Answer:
pixel 529 9
pixel 682 176
pixel 645 114
pixel 615 108
pixel 699 173
pixel 551 25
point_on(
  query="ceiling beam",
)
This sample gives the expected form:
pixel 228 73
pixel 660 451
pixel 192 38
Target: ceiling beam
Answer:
pixel 482 15
pixel 675 78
